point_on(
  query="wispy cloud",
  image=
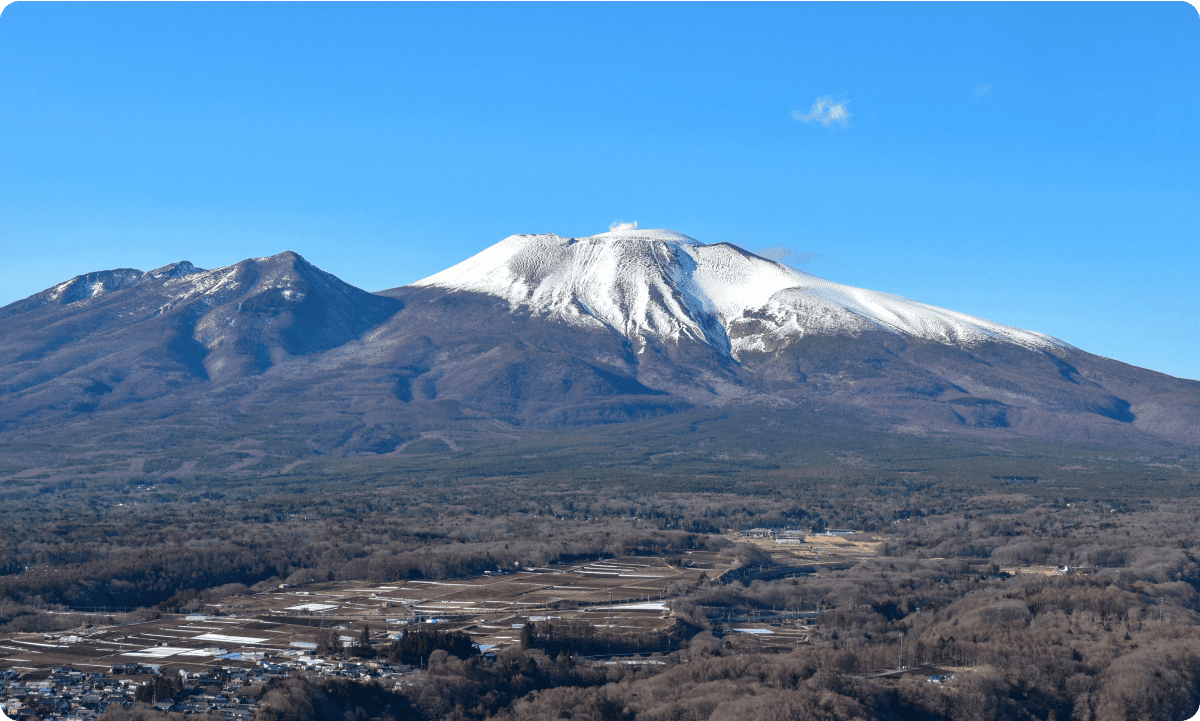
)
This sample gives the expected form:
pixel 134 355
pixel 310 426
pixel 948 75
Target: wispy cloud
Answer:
pixel 786 255
pixel 826 111
pixel 619 225
pixel 982 90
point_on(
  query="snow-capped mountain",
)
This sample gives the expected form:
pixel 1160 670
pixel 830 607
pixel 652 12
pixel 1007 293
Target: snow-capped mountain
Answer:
pixel 656 285
pixel 545 331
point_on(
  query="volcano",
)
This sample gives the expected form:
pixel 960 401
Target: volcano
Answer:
pixel 545 331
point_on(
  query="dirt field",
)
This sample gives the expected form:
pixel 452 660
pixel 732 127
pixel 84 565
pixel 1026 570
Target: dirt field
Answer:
pixel 625 593
pixel 194 643
pixel 816 550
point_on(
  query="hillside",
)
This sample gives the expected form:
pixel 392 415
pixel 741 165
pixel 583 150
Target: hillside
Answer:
pixel 539 333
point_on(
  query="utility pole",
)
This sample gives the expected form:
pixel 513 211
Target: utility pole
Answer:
pixel 900 663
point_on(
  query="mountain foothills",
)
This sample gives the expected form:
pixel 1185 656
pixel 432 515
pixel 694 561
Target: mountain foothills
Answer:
pixel 547 332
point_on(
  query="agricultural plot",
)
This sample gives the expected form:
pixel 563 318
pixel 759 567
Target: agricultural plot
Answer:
pixel 194 644
pixel 817 549
pixel 620 594
pixel 281 626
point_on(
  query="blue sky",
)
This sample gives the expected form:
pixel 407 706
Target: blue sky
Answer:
pixel 1029 163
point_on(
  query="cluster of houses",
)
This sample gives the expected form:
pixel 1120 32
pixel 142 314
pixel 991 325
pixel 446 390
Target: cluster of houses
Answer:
pixel 68 694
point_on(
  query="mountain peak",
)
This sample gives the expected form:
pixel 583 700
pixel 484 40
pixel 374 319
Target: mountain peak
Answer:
pixel 172 271
pixel 287 256
pixel 661 284
pixel 648 234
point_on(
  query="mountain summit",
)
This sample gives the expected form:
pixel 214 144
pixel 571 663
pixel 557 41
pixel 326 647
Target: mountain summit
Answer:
pixel 661 285
pixel 635 311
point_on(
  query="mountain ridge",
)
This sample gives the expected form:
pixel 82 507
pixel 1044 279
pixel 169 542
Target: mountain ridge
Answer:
pixel 151 334
pixel 557 344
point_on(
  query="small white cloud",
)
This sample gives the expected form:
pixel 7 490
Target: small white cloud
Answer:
pixel 826 111
pixel 623 226
pixel 982 90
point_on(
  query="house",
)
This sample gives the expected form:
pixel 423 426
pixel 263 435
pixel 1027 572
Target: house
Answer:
pixel 759 533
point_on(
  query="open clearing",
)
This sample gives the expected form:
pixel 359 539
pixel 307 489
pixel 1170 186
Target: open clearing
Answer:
pixel 626 594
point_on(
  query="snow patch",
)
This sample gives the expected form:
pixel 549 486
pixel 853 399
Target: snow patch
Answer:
pixel 222 638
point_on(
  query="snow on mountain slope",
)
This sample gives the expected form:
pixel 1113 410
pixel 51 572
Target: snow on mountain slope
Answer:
pixel 662 284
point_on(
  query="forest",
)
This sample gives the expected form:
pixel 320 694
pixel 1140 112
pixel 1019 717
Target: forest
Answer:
pixel 962 531
pixel 1118 637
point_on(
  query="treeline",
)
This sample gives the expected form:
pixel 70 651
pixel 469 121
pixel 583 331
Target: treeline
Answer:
pixel 181 564
pixel 415 646
pixel 815 685
pixel 580 638
pixel 1100 642
pixel 298 699
pixel 170 543
pixel 121 545
pixel 717 680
